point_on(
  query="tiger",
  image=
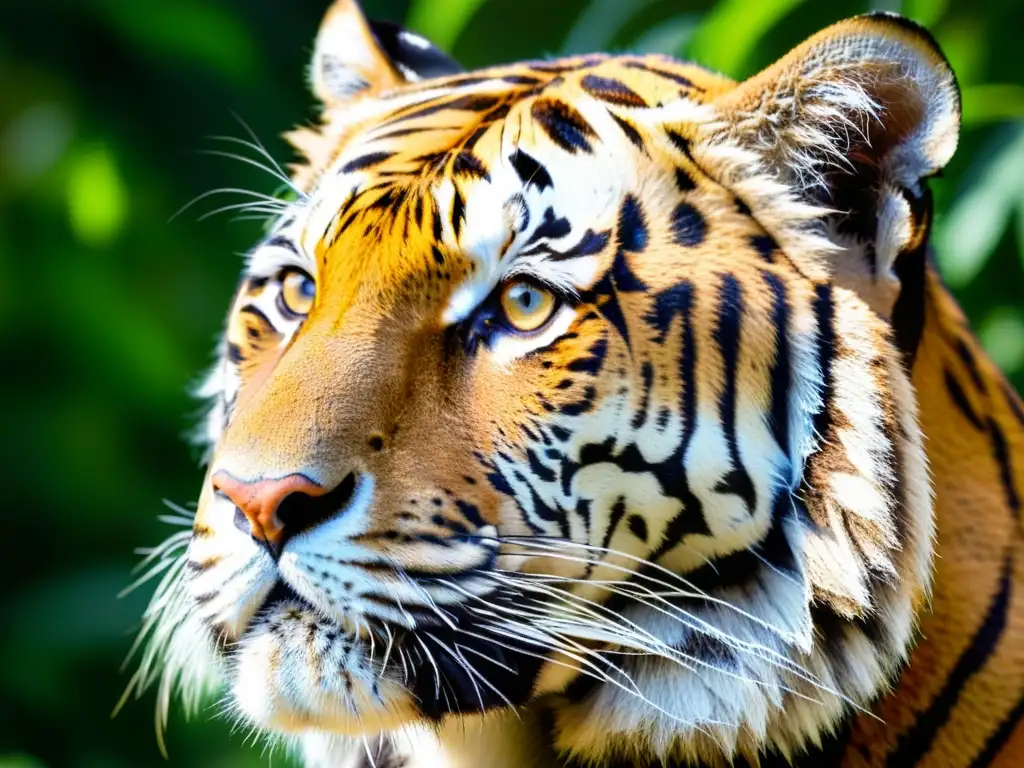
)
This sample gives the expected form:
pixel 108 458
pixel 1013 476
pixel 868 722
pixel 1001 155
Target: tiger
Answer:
pixel 605 411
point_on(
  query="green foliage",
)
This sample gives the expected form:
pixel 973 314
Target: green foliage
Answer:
pixel 108 310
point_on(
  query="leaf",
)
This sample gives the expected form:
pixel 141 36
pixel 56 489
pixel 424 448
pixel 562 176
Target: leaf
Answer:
pixel 441 21
pixel 598 23
pixel 96 198
pixel 732 29
pixel 192 30
pixel 924 12
pixel 670 36
pixel 971 230
pixel 992 102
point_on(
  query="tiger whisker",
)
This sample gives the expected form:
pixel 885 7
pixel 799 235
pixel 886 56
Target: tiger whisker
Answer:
pixel 503 630
pixel 258 146
pixel 275 171
pixel 433 663
pixel 766 655
pixel 555 543
pixel 472 674
pixel 761 652
pixel 654 646
pixel 230 191
pixel 246 207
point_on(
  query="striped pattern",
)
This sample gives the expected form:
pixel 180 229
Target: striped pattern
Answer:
pixel 690 519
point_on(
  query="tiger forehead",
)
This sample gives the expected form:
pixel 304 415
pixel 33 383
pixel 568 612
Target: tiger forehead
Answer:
pixel 400 184
pixel 431 122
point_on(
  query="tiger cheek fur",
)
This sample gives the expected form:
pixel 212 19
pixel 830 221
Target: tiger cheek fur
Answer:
pixel 575 393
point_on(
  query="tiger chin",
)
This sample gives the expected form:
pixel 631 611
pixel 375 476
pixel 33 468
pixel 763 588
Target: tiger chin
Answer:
pixel 565 414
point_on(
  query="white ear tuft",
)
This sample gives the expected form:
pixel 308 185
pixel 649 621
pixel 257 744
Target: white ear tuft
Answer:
pixel 874 89
pixel 354 57
pixel 347 60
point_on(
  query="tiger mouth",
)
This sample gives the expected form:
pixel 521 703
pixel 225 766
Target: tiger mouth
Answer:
pixel 283 598
pixel 281 593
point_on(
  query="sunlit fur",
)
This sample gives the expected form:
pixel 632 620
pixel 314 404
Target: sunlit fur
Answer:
pixel 690 518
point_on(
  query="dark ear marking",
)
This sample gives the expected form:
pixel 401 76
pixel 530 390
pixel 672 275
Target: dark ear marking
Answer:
pixel 414 56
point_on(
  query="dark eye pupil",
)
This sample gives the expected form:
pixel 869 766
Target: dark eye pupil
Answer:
pixel 308 288
pixel 526 299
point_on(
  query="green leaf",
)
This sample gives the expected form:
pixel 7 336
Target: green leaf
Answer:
pixel 992 102
pixel 441 21
pixel 925 12
pixel 96 198
pixel 732 29
pixel 598 23
pixel 970 232
pixel 199 32
pixel 670 36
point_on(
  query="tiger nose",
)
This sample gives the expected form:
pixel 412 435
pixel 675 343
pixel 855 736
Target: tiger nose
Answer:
pixel 261 503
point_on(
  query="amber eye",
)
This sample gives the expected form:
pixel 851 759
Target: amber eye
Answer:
pixel 297 292
pixel 527 306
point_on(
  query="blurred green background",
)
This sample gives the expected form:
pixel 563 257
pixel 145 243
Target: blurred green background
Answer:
pixel 108 310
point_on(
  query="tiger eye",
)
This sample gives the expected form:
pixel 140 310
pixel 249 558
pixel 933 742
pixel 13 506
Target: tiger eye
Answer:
pixel 297 292
pixel 526 306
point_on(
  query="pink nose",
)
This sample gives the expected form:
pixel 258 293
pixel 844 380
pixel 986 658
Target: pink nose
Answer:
pixel 261 500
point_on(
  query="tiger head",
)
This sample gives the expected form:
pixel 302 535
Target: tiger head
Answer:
pixel 577 385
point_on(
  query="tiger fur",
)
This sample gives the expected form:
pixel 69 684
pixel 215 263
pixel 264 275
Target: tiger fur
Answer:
pixel 749 495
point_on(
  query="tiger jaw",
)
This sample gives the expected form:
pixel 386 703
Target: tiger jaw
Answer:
pixel 321 637
pixel 293 670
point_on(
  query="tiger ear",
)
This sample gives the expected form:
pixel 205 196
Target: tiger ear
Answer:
pixel 354 57
pixel 853 120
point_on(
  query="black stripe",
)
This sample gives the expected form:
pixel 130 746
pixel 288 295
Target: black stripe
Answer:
pixel 280 241
pixel 1014 403
pixel 590 244
pixel 1002 456
pixel 470 103
pixel 399 132
pixel 688 226
pixel 631 133
pixel 680 142
pixel 966 356
pixel 997 740
pixel 959 398
pixel 633 234
pixel 539 469
pixel 468 164
pixel 640 417
pixel 617 513
pixel 824 313
pixel 564 125
pixel 458 213
pixel 691 516
pixel 530 172
pixel 594 359
pixel 727 335
pixel 520 80
pixel 782 378
pixel 252 309
pixel 765 246
pixel 612 91
pixel 684 181
pixel 683 81
pixel 366 161
pixel 916 742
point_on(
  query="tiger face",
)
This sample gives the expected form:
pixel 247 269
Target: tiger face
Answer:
pixel 578 386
